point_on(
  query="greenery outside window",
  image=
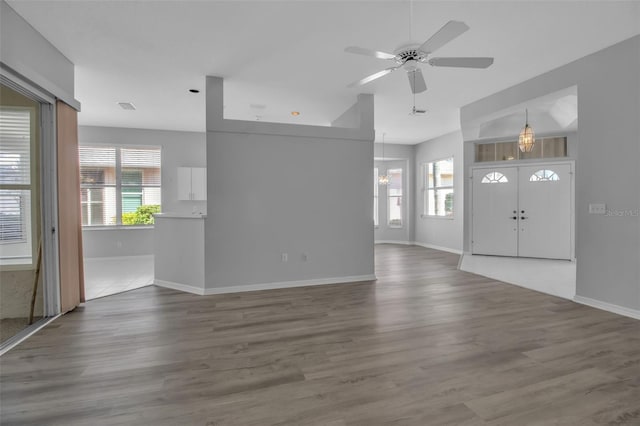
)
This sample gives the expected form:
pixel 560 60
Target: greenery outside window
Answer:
pixel 119 185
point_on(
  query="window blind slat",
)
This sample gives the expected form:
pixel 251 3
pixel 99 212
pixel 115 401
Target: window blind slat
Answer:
pixel 142 162
pixel 15 146
pixel 13 204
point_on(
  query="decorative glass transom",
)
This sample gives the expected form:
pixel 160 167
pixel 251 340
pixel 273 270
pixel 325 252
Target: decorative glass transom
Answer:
pixel 544 175
pixel 494 177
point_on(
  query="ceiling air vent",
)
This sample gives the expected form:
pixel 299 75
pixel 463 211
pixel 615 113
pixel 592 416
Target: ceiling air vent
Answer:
pixel 127 105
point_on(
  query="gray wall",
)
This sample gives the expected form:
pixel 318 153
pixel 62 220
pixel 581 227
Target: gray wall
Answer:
pixel 281 188
pixel 278 194
pixel 178 149
pixel 28 54
pixel 117 242
pixel 433 231
pixel 608 154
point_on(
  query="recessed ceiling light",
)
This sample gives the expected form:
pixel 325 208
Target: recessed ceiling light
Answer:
pixel 295 113
pixel 194 90
pixel 127 105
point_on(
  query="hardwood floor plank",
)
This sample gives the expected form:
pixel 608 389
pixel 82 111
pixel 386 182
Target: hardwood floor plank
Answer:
pixel 425 344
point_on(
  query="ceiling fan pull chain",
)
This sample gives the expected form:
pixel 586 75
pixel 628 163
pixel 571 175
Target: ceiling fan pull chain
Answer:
pixel 410 20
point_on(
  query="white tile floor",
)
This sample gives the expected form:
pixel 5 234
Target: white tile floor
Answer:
pixel 110 275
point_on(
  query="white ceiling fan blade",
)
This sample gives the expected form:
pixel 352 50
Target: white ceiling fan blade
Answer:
pixel 372 77
pixel 416 81
pixel 461 62
pixel 448 32
pixel 369 52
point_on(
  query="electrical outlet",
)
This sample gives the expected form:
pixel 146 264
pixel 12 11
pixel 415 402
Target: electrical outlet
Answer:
pixel 597 208
pixel 285 257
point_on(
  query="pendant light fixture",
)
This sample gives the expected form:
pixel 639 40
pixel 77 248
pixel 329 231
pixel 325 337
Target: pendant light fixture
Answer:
pixel 383 179
pixel 527 138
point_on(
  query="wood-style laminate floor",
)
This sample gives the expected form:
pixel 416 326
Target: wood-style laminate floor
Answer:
pixel 424 345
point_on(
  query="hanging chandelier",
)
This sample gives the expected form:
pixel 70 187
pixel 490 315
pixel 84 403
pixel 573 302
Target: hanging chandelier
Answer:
pixel 527 138
pixel 383 179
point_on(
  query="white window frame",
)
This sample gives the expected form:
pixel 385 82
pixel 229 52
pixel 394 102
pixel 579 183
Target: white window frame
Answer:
pixel 402 197
pixel 376 198
pixel 13 253
pixel 426 188
pixel 118 185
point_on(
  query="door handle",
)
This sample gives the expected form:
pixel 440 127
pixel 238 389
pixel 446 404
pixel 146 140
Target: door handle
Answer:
pixel 524 217
pixel 514 217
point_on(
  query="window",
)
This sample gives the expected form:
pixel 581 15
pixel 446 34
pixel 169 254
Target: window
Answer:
pixel 375 197
pixel 494 177
pixel 544 175
pixel 552 147
pixel 394 198
pixel 119 185
pixel 16 184
pixel 438 188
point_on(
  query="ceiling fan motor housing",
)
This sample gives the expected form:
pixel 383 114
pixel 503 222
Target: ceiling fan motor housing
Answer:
pixel 409 56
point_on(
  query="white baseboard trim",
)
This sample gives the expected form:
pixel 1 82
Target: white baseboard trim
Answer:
pixel 406 243
pixel 181 287
pixel 289 284
pixel 262 286
pixel 416 243
pixel 435 247
pixel 610 307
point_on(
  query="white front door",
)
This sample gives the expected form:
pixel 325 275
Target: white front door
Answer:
pixel 495 211
pixel 544 214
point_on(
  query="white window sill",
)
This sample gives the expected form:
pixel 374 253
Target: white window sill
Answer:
pixel 16 265
pixel 426 216
pixel 115 227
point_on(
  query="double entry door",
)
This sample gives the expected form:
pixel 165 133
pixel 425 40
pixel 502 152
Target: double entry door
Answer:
pixel 523 211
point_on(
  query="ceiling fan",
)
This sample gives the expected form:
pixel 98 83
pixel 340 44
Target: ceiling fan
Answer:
pixel 409 56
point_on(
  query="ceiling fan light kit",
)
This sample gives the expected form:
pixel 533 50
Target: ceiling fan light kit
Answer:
pixel 409 57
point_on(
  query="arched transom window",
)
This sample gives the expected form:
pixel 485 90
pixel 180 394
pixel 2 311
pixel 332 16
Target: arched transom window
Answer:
pixel 494 177
pixel 544 175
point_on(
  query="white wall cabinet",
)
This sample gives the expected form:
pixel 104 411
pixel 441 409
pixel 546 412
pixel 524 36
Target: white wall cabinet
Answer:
pixel 523 211
pixel 192 183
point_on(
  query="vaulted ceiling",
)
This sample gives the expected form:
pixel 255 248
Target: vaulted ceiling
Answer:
pixel 278 57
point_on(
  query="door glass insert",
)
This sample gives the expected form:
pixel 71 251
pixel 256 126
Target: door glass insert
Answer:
pixel 544 175
pixel 494 177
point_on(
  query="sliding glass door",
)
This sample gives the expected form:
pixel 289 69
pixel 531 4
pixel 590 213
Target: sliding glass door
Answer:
pixel 21 218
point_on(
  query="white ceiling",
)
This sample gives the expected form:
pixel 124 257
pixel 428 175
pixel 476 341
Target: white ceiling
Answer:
pixel 289 55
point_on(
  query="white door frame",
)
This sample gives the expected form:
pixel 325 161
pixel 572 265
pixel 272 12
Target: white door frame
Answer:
pixel 541 164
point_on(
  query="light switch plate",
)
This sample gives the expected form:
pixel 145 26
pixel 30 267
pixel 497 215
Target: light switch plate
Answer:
pixel 597 208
